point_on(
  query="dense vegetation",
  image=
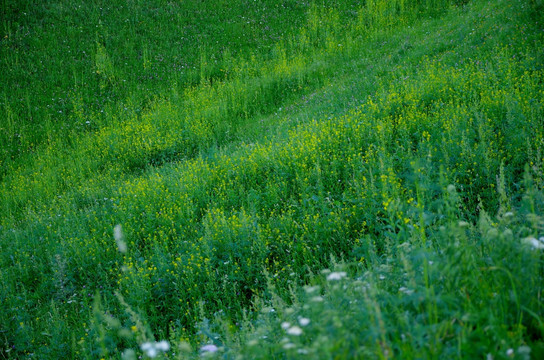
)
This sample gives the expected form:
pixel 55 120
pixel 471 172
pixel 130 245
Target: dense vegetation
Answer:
pixel 272 179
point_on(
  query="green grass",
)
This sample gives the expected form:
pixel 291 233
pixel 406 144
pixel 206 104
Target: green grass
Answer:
pixel 248 149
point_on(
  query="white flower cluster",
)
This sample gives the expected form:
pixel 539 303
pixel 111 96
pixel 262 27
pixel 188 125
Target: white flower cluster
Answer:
pixel 295 330
pixel 336 276
pixel 535 243
pixel 152 349
pixel 119 238
pixel 405 290
pixel 210 348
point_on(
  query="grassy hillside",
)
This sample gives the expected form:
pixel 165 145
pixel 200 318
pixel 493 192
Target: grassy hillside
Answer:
pixel 272 179
pixel 69 62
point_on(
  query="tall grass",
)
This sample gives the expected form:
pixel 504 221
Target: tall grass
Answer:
pixel 398 144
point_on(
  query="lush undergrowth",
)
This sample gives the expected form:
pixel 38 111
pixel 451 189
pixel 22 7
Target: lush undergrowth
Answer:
pixel 241 150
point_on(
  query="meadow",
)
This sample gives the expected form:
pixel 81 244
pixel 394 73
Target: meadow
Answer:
pixel 272 179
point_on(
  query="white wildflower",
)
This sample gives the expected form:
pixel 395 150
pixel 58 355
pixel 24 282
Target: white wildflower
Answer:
pixel 510 352
pixel 152 349
pixel 285 325
pixel 118 236
pixel 406 290
pixel 317 299
pixel 146 346
pixel 295 330
pixel 163 345
pixel 336 276
pixel 210 348
pixel 537 244
pixel 304 321
pixel 149 349
pixel 289 346
pixel 117 232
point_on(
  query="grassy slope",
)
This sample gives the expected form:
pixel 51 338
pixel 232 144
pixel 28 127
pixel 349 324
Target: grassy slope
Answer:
pixel 244 179
pixel 64 64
